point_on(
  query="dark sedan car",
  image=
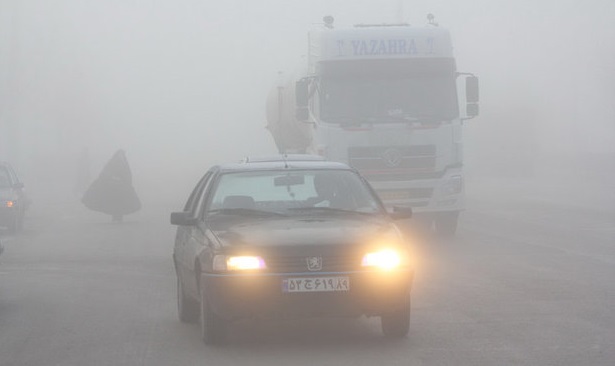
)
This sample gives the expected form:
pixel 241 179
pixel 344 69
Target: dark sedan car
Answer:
pixel 13 201
pixel 293 236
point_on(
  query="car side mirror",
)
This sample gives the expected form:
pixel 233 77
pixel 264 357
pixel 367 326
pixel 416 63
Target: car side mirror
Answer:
pixel 184 218
pixel 401 213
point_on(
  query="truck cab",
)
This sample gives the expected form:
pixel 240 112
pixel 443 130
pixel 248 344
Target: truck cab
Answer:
pixel 384 99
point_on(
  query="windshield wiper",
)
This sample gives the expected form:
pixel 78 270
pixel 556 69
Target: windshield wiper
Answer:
pixel 420 118
pixel 244 212
pixel 343 121
pixel 412 118
pixel 332 209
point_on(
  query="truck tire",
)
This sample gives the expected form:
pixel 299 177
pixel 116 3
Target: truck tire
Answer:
pixel 187 307
pixel 397 323
pixel 213 328
pixel 446 223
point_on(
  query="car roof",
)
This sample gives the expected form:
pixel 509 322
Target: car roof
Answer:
pixel 291 161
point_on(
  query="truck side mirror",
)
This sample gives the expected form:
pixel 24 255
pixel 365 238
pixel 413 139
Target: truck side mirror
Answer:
pixel 472 109
pixel 302 95
pixel 472 89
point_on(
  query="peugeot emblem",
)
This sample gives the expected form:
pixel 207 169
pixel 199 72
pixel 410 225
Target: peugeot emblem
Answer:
pixel 314 263
pixel 392 158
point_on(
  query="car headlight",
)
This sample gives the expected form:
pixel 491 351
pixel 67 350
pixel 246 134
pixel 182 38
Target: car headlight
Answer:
pixel 385 259
pixel 9 203
pixel 238 263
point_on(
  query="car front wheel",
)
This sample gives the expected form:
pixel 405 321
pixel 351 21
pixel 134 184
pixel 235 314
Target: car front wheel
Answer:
pixel 16 225
pixel 187 307
pixel 213 328
pixel 396 324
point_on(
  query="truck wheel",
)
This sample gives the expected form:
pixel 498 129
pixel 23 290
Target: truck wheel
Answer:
pixel 187 307
pixel 396 324
pixel 446 223
pixel 213 328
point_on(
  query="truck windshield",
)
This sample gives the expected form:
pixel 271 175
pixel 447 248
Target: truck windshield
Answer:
pixel 375 99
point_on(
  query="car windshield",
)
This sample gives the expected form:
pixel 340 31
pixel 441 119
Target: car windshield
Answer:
pixel 292 192
pixel 5 182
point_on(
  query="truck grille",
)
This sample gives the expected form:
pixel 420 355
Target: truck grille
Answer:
pixel 394 162
pixel 405 194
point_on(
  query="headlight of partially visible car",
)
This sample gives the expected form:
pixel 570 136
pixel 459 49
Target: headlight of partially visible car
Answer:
pixel 8 203
pixel 238 263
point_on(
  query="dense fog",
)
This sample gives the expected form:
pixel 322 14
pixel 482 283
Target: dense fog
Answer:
pixel 182 85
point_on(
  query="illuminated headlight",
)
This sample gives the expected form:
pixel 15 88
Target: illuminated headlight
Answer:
pixel 9 203
pixel 453 186
pixel 238 263
pixel 384 259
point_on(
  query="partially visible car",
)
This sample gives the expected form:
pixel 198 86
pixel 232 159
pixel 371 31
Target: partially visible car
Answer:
pixel 289 236
pixel 13 200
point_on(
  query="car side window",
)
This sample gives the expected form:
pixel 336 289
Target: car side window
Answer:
pixel 13 175
pixel 193 200
pixel 5 180
pixel 203 198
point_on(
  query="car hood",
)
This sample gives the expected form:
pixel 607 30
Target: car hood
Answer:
pixel 295 232
pixel 7 193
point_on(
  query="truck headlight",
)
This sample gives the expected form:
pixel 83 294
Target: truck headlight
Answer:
pixel 385 259
pixel 453 185
pixel 238 263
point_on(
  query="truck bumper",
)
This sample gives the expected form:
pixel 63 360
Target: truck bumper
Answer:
pixel 426 195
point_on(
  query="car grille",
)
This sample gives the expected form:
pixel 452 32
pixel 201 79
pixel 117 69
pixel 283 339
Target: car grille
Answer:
pixel 288 264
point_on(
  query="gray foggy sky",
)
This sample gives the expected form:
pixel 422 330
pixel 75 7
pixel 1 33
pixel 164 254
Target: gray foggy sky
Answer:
pixel 184 82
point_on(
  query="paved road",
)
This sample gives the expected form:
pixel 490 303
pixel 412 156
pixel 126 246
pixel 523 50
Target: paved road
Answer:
pixel 525 282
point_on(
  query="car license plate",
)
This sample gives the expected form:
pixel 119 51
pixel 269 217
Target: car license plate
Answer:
pixel 316 284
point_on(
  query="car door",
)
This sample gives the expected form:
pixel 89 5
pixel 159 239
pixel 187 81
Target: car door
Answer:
pixel 181 254
pixel 197 242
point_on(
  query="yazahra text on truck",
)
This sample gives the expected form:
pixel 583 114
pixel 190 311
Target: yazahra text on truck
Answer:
pixel 383 99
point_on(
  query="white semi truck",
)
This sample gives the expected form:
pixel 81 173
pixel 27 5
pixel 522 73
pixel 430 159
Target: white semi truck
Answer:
pixel 383 99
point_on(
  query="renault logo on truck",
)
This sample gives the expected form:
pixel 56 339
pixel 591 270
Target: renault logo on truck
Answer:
pixel 392 158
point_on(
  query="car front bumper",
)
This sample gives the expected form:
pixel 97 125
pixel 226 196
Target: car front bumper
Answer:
pixel 233 296
pixel 8 215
